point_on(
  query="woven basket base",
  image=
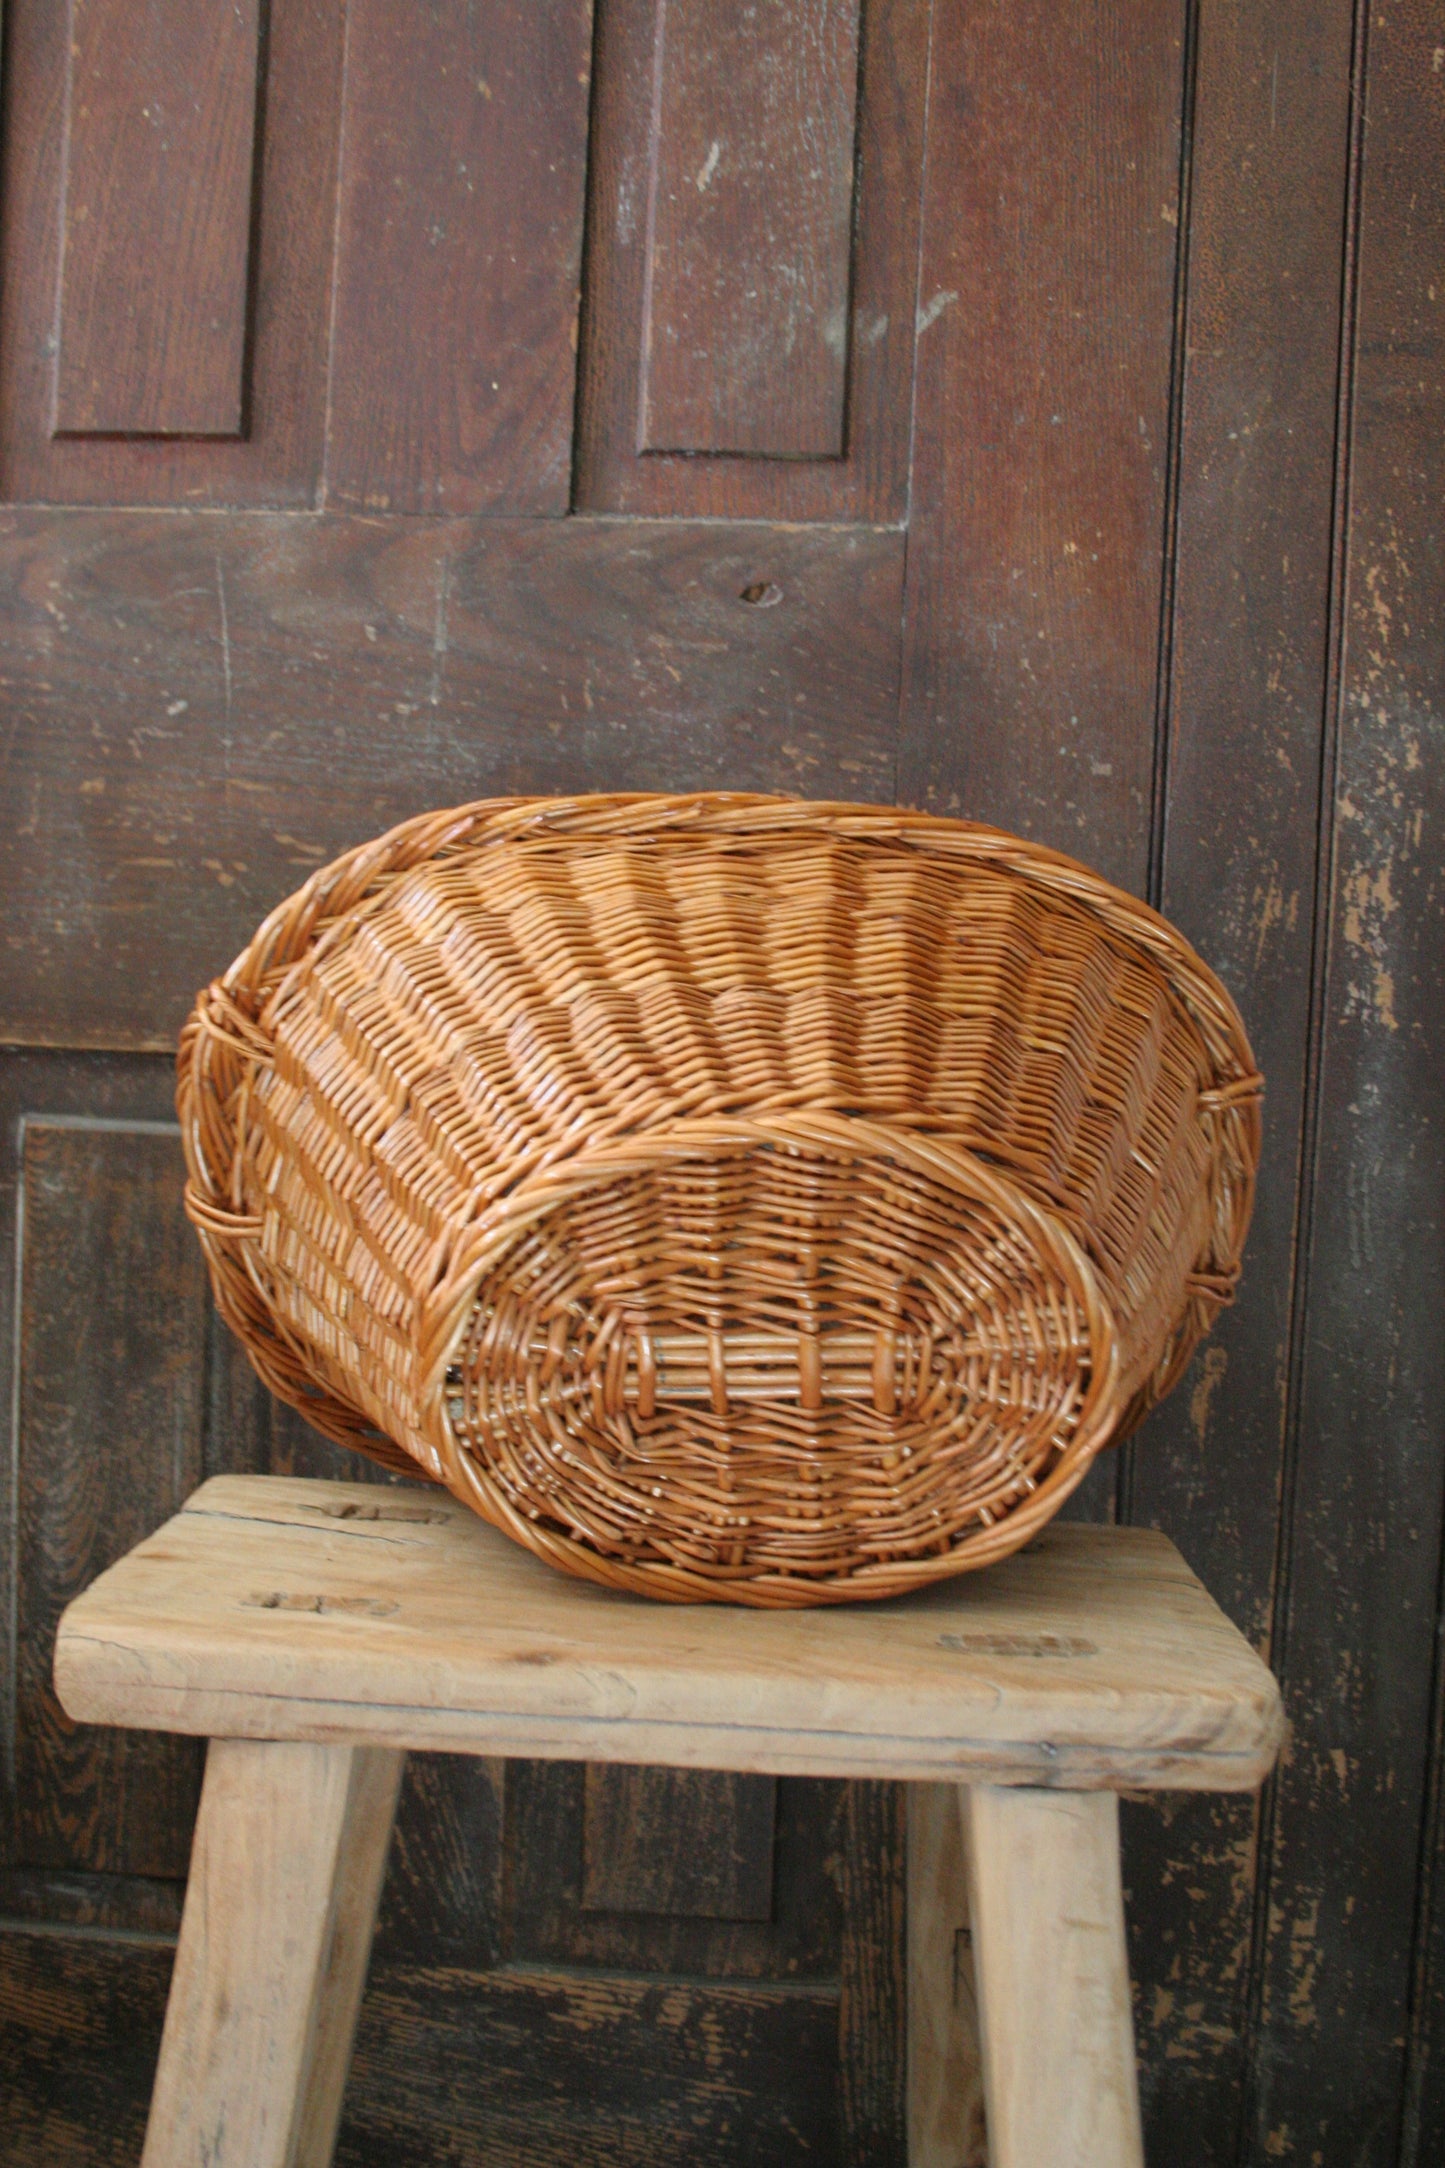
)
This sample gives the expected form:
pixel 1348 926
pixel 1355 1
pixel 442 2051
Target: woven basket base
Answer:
pixel 787 1362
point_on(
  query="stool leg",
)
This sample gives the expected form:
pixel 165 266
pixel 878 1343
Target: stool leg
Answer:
pixel 945 2072
pixel 286 1870
pixel 1053 1978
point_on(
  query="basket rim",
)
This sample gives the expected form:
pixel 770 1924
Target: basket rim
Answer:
pixel 297 930
pixel 487 1238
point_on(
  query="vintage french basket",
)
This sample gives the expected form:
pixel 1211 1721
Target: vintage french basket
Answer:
pixel 728 1197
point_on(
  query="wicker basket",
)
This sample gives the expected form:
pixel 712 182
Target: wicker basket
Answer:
pixel 728 1197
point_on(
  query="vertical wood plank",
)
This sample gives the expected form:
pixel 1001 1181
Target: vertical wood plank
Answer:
pixel 873 1998
pixel 1041 419
pixel 159 142
pixel 1245 716
pixel 750 202
pixel 459 236
pixel 442 1900
pixel 1359 1622
pixel 694 1843
pixel 110 1399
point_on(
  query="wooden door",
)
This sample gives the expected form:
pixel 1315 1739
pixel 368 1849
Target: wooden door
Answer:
pixel 1028 412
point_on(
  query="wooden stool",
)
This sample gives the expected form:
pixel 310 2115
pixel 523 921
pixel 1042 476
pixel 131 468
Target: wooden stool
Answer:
pixel 316 1631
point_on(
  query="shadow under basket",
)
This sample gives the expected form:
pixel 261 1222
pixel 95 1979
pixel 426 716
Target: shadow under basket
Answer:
pixel 728 1197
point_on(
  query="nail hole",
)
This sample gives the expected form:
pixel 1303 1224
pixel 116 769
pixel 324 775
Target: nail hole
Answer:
pixel 763 594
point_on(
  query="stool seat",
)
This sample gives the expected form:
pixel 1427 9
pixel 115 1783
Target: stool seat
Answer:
pixel 315 1631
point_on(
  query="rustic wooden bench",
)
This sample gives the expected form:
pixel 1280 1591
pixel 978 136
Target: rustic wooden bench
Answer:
pixel 316 1631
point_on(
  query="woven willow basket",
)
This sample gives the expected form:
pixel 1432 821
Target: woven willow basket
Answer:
pixel 728 1197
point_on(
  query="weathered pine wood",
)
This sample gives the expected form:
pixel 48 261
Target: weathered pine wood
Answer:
pixel 749 228
pixel 110 1335
pixel 304 1611
pixel 1056 2026
pixel 290 1846
pixel 160 131
pixel 1041 421
pixel 260 692
pixel 1360 1622
pixel 277 307
pixel 693 1843
pixel 459 238
pixel 875 334
pixel 1245 712
pixel 945 2068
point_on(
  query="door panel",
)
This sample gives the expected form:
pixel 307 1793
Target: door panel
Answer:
pixel 749 225
pixel 666 88
pixel 160 134
pixel 271 249
pixel 691 1844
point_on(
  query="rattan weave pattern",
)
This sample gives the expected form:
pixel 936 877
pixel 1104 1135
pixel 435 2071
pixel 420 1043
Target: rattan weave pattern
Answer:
pixel 729 1196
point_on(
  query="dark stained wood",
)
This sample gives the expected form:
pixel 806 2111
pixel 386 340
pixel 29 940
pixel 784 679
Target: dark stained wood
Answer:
pixel 441 1903
pixel 121 1087
pixel 80 2029
pixel 278 459
pixel 459 238
pixel 259 693
pixel 872 2016
pixel 696 1843
pixel 526 2069
pixel 1041 421
pixel 523 2069
pixel 749 228
pixel 548 1922
pixel 1245 711
pixel 1423 2135
pixel 871 480
pixel 160 122
pixel 124 1904
pixel 110 1410
pixel 1359 1640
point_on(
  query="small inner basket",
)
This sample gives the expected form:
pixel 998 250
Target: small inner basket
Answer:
pixel 769 1353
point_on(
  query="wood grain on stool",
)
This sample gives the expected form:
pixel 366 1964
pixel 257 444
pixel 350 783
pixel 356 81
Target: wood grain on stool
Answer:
pixel 1048 1940
pixel 945 2074
pixel 285 1875
pixel 315 1631
pixel 280 1608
